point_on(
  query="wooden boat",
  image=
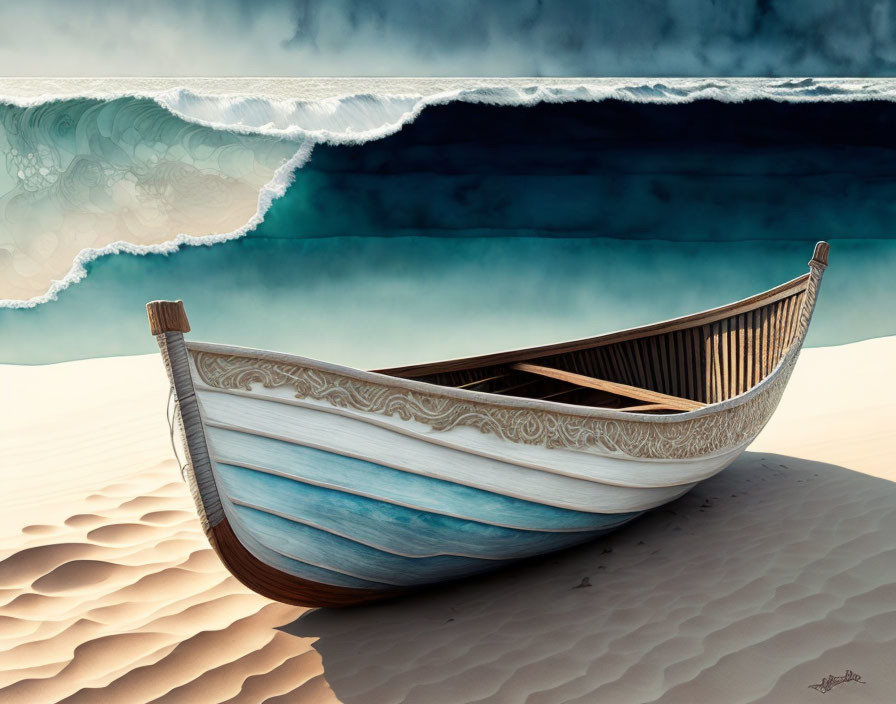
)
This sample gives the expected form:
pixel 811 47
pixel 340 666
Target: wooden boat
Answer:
pixel 323 485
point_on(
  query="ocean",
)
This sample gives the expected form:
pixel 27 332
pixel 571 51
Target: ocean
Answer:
pixel 377 222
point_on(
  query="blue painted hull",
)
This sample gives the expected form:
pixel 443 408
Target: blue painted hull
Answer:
pixel 417 531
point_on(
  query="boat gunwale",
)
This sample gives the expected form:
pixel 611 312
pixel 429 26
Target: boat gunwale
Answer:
pixel 363 417
pixel 380 378
pixel 709 315
pixel 483 397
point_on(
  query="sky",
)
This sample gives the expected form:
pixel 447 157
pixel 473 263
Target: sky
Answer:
pixel 448 37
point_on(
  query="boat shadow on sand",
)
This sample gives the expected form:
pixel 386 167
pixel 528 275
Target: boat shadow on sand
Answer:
pixel 757 583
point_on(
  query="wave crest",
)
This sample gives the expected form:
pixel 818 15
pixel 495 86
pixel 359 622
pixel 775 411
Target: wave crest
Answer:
pixel 354 118
pixel 143 167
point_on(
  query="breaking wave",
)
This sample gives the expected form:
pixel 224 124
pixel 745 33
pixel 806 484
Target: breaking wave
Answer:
pixel 147 168
pixel 86 177
pixel 362 117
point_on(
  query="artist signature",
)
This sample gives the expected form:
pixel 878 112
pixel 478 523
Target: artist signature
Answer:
pixel 829 682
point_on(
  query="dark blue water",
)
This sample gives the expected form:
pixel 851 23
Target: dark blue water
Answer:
pixel 479 228
pixel 702 171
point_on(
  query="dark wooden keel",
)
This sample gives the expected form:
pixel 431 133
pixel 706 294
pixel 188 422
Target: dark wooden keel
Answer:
pixel 274 584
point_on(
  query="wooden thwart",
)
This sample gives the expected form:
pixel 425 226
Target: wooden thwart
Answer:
pixel 654 397
pixel 647 407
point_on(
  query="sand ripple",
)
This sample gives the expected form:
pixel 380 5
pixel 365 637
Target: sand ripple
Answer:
pixel 129 603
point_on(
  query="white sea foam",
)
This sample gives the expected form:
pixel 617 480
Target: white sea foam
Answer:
pixel 362 117
pixel 271 191
pixel 354 110
pixel 358 110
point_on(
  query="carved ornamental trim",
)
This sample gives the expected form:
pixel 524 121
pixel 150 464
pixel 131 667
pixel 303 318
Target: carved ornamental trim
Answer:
pixel 692 437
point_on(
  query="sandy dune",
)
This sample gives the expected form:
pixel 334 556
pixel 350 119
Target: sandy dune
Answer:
pixel 756 585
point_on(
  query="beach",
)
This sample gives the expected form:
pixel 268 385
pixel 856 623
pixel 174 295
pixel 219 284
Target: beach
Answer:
pixel 761 582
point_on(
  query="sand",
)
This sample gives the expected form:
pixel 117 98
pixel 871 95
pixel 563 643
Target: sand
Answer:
pixel 761 582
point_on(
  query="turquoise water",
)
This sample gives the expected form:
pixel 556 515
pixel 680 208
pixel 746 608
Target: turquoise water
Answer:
pixel 480 228
pixel 381 301
pixel 78 174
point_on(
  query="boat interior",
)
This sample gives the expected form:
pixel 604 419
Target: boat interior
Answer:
pixel 671 367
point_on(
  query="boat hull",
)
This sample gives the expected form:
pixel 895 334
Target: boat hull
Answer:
pixel 322 485
pixel 349 505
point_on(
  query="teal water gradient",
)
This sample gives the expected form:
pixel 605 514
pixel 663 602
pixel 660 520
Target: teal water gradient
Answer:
pixel 479 228
pixel 373 302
